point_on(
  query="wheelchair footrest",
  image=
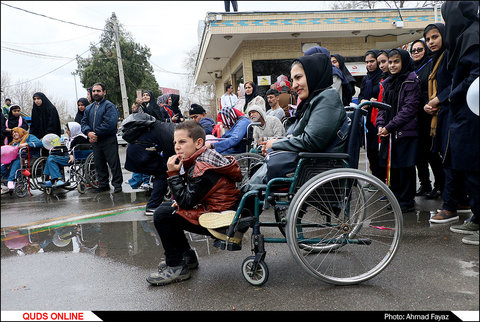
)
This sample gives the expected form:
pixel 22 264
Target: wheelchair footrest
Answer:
pixel 222 244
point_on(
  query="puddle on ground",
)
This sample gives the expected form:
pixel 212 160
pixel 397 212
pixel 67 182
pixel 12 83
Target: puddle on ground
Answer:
pixel 134 242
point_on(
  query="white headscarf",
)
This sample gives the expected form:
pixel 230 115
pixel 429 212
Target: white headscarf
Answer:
pixel 75 130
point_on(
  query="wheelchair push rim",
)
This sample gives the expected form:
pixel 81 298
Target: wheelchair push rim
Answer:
pixel 351 236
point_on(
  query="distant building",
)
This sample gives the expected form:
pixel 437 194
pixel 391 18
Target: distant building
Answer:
pixel 239 46
pixel 166 90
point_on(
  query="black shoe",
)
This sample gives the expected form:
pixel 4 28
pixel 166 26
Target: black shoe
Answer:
pixel 117 190
pixel 434 194
pixel 101 189
pixel 423 190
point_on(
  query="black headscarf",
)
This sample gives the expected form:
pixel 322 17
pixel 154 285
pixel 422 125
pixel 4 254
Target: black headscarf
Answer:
pixel 394 81
pixel 152 108
pixel 427 56
pixel 372 78
pixel 79 115
pixel 318 71
pixel 441 29
pixel 250 97
pixel 45 118
pixel 380 52
pixel 348 90
pixel 335 69
pixel 461 29
pixel 175 107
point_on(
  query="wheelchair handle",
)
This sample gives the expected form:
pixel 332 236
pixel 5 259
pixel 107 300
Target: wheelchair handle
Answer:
pixel 379 105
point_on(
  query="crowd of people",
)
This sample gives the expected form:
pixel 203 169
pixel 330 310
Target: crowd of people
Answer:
pixel 429 125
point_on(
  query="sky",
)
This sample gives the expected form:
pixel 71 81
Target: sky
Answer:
pixel 39 49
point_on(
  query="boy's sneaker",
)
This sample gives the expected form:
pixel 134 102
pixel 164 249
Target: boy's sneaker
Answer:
pixel 444 216
pixel 59 183
pixel 467 227
pixel 168 274
pixel 471 239
pixel 189 257
pixel 48 184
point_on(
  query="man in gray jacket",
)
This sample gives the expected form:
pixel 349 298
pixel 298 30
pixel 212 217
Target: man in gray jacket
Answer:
pixel 99 124
pixel 271 126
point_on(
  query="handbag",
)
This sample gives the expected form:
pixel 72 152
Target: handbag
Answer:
pixel 280 164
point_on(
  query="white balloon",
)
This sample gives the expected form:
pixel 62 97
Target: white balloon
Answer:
pixel 472 96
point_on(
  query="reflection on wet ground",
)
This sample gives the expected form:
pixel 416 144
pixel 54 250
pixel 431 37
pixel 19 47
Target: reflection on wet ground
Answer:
pixel 135 243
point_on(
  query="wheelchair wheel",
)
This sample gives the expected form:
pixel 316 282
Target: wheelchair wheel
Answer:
pixel 38 179
pixel 90 172
pixel 257 277
pixel 247 162
pixel 339 234
pixel 21 186
pixel 81 187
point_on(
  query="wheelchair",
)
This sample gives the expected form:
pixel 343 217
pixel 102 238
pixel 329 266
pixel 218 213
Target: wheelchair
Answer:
pixel 77 175
pixel 337 231
pixel 23 174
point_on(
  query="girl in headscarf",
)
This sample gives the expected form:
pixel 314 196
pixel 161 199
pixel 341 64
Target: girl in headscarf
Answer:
pixel 398 127
pixel 20 138
pixel 14 119
pixel 45 117
pixel 348 88
pixel 463 151
pixel 82 104
pixel 252 97
pixel 149 106
pixel 54 161
pixel 236 129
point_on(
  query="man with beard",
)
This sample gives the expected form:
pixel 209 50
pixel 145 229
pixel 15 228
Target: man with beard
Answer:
pixel 99 124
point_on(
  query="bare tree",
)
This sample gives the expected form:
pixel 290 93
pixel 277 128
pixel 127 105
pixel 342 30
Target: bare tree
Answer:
pixel 22 94
pixel 199 94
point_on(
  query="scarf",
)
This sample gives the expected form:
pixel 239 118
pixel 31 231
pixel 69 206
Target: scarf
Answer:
pixel 318 71
pixel 250 97
pixel 12 120
pixel 75 131
pixel 228 116
pixel 335 69
pixel 22 138
pixel 394 82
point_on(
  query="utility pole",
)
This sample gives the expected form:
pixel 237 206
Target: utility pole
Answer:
pixel 123 88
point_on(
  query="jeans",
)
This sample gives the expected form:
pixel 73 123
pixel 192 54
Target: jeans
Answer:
pixel 138 179
pixel 52 166
pixel 9 170
pixel 158 192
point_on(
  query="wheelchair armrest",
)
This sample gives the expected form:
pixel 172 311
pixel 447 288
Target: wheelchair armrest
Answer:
pixel 310 155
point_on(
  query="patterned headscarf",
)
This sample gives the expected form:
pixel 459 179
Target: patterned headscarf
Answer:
pixel 228 116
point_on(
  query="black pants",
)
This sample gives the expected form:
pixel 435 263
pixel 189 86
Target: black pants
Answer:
pixel 158 192
pixel 170 227
pixel 373 156
pixel 426 157
pixel 105 153
pixel 227 6
pixel 402 184
pixel 459 184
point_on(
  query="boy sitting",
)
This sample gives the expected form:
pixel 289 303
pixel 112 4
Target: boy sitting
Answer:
pixel 201 180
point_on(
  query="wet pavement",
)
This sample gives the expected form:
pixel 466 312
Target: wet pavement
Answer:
pixel 73 251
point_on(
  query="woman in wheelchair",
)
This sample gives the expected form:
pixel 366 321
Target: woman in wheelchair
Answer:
pixel 21 138
pixel 63 158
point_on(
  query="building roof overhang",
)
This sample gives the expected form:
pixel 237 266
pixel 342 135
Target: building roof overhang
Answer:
pixel 223 33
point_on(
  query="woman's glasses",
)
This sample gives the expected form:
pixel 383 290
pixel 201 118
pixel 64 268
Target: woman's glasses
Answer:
pixel 417 50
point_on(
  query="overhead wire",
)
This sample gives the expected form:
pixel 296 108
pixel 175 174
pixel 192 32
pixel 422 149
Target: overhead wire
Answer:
pixel 56 19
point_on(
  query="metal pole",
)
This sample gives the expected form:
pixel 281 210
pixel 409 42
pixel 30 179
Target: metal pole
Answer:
pixel 123 88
